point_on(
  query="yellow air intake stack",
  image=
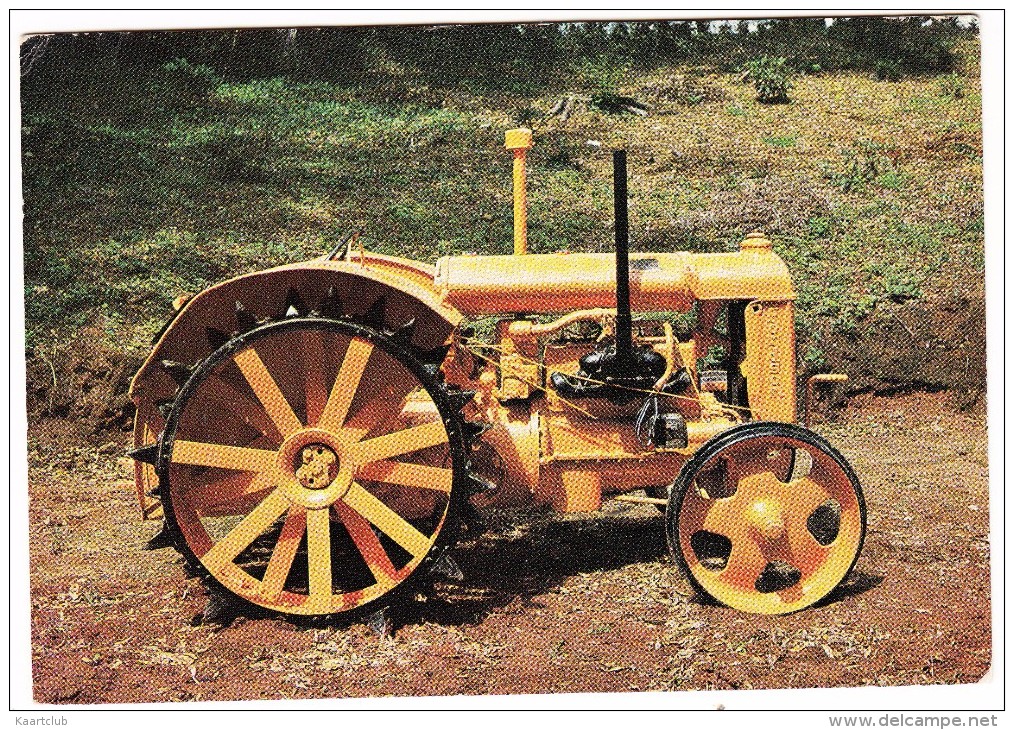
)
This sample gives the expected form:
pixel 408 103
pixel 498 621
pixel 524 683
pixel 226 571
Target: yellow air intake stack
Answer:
pixel 520 141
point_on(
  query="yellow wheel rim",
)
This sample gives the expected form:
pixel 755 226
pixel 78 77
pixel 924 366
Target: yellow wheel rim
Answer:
pixel 764 540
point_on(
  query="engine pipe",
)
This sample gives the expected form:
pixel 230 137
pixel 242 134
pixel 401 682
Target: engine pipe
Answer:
pixel 624 335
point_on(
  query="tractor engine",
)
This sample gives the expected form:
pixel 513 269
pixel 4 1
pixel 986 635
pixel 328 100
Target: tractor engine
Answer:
pixel 602 413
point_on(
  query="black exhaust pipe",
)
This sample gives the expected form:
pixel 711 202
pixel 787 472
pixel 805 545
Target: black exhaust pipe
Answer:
pixel 616 372
pixel 624 335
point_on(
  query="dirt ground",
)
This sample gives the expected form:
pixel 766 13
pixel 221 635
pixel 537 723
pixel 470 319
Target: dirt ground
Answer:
pixel 585 603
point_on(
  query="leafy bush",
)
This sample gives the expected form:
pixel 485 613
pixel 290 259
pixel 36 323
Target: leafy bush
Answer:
pixel 952 85
pixel 188 83
pixel 887 70
pixel 770 77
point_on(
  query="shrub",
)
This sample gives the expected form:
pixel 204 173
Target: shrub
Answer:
pixel 952 85
pixel 887 70
pixel 770 77
pixel 188 83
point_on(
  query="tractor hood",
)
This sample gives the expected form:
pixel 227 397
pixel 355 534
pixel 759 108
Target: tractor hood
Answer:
pixel 559 282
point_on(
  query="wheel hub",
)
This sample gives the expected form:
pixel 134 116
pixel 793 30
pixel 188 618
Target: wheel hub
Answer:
pixel 314 474
pixel 316 466
pixel 765 515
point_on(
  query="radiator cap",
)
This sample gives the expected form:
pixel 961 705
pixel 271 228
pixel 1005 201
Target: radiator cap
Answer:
pixel 755 241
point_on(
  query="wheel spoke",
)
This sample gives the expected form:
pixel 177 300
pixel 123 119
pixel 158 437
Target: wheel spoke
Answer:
pixel 802 549
pixel 408 475
pixel 803 496
pixel 346 384
pixel 267 391
pixel 382 408
pixel 191 526
pixel 387 520
pixel 401 442
pixel 248 530
pixel 318 549
pixel 284 552
pixel 237 458
pixel 723 517
pixel 313 366
pixel 368 544
pixel 233 494
pixel 220 394
pixel 746 562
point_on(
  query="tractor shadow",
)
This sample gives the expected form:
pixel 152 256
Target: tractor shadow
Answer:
pixel 858 582
pixel 521 557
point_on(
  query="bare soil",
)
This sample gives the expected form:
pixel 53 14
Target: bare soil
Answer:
pixel 550 603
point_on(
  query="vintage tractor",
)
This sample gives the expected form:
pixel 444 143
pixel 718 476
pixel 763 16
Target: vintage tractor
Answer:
pixel 315 435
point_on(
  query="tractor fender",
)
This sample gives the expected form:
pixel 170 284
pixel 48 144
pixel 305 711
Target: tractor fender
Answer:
pixel 406 288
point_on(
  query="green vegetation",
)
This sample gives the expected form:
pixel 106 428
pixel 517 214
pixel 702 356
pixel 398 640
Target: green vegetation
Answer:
pixel 782 141
pixel 188 158
pixel 770 77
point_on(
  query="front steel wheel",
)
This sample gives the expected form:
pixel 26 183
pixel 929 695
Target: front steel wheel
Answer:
pixel 756 538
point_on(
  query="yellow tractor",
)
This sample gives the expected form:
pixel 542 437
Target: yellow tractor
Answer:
pixel 316 435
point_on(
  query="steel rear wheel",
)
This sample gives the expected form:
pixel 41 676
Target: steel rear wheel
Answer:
pixel 312 466
pixel 757 539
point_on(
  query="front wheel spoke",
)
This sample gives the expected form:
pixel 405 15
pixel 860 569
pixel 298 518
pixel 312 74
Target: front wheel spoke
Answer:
pixel 408 475
pixel 368 544
pixel 285 552
pixel 237 458
pixel 387 520
pixel 346 384
pixel 267 391
pixel 401 442
pixel 804 495
pixel 249 529
pixel 746 563
pixel 723 517
pixel 318 549
pixel 804 552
